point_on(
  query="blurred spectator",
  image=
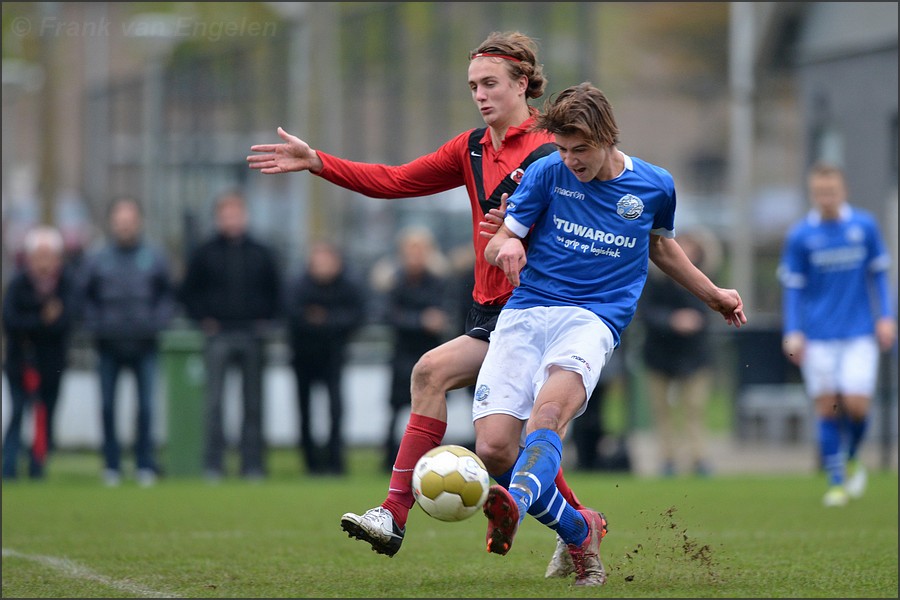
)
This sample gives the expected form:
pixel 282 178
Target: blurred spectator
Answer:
pixel 462 265
pixel 232 288
pixel 324 307
pixel 678 357
pixel 589 432
pixel 838 314
pixel 38 311
pixel 419 317
pixel 128 301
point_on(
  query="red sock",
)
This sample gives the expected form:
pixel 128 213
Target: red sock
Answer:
pixel 567 492
pixel 421 435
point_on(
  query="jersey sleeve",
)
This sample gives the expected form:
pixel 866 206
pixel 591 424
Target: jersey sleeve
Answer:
pixel 792 267
pixel 664 219
pixel 432 173
pixel 878 257
pixel 878 263
pixel 792 275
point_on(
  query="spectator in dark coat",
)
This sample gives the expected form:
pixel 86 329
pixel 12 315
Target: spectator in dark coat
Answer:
pixel 129 299
pixel 678 357
pixel 324 307
pixel 38 311
pixel 419 312
pixel 232 289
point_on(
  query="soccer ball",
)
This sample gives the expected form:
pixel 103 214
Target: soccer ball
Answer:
pixel 450 483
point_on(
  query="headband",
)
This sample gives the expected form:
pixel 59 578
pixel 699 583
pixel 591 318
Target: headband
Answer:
pixel 491 55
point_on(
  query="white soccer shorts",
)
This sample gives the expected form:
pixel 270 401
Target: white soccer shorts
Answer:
pixel 841 366
pixel 523 347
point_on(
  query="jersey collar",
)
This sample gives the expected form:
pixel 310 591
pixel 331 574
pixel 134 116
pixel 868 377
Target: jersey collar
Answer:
pixel 512 132
pixel 815 216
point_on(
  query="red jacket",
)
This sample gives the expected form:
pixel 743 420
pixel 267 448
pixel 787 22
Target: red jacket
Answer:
pixel 446 168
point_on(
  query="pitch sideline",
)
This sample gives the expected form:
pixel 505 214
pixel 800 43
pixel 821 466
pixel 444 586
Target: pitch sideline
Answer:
pixel 76 571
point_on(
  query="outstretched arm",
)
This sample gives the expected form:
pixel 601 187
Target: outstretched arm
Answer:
pixel 292 155
pixel 668 255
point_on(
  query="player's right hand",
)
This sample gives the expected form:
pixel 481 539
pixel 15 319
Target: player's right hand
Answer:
pixel 293 155
pixel 794 345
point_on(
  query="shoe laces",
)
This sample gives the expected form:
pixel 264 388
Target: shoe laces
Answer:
pixel 577 555
pixel 379 514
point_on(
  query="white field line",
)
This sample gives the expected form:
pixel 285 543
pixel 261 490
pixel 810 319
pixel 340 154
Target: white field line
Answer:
pixel 76 571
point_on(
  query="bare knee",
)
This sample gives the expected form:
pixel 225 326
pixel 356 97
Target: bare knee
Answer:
pixel 427 372
pixel 498 456
pixel 856 406
pixel 429 382
pixel 827 406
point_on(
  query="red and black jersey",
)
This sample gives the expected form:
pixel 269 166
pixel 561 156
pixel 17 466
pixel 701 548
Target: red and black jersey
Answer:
pixel 468 159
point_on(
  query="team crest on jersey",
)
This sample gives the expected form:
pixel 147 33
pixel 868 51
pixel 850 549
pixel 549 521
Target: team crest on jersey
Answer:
pixel 517 175
pixel 629 207
pixel 482 393
pixel 855 234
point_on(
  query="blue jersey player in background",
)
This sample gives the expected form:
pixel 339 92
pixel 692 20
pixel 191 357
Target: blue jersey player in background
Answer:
pixel 593 217
pixel 838 311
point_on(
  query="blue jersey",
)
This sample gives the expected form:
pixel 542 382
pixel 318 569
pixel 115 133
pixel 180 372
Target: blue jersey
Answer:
pixel 827 270
pixel 589 242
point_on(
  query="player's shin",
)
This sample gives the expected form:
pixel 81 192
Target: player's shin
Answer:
pixel 536 468
pixel 422 434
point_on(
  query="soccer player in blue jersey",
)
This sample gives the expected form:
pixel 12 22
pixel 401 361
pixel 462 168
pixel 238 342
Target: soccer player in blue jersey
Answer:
pixel 593 217
pixel 838 310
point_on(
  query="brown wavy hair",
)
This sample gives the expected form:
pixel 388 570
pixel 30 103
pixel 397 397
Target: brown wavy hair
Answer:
pixel 524 49
pixel 581 111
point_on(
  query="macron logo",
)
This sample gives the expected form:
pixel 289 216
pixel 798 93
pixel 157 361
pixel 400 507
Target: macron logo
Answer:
pixel 568 193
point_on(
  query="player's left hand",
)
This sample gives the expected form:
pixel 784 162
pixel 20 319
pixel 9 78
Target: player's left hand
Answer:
pixel 886 333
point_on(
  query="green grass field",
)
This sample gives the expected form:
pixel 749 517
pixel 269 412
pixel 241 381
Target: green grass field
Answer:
pixel 727 536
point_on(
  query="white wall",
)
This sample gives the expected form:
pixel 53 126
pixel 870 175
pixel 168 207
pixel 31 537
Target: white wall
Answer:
pixel 366 386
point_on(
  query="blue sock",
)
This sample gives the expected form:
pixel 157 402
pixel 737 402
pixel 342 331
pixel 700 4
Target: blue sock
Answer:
pixel 534 473
pixel 857 431
pixel 535 470
pixel 552 510
pixel 830 447
pixel 504 478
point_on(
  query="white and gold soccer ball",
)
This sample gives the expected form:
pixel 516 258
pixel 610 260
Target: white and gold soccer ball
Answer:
pixel 450 483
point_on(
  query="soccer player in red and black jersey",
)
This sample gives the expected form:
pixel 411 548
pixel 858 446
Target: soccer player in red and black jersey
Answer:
pixel 503 74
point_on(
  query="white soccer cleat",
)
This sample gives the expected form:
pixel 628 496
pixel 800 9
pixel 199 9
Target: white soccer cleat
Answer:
pixel 835 496
pixel 560 564
pixel 856 484
pixel 376 527
pixel 589 570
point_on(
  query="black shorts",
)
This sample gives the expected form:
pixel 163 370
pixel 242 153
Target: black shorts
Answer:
pixel 481 320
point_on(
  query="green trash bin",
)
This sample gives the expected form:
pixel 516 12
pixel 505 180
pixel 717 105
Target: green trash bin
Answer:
pixel 182 354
